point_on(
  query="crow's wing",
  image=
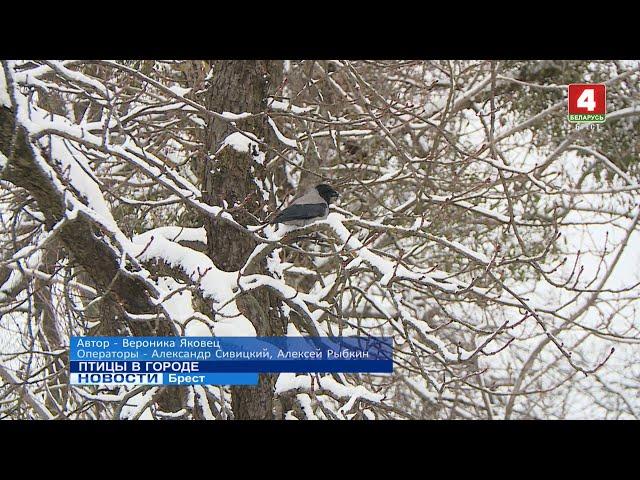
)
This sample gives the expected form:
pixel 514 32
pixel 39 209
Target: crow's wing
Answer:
pixel 304 211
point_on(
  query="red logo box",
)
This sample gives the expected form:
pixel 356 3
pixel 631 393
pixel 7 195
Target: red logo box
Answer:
pixel 587 102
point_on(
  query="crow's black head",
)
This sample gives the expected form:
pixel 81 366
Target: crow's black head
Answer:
pixel 327 193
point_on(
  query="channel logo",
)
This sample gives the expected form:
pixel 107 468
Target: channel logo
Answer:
pixel 587 102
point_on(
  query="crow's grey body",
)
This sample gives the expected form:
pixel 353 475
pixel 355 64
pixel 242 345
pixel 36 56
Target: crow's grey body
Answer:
pixel 311 206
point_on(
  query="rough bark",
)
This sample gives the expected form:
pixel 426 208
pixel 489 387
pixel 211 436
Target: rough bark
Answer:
pixel 82 242
pixel 229 178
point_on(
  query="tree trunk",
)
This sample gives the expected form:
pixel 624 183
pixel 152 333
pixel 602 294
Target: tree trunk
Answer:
pixel 231 179
pixel 84 244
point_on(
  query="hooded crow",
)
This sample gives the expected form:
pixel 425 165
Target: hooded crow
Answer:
pixel 311 206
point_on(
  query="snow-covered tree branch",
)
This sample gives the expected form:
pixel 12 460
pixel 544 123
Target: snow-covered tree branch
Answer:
pixel 494 241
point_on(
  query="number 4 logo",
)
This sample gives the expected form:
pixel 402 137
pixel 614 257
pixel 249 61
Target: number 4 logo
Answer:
pixel 587 99
pixel 587 102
